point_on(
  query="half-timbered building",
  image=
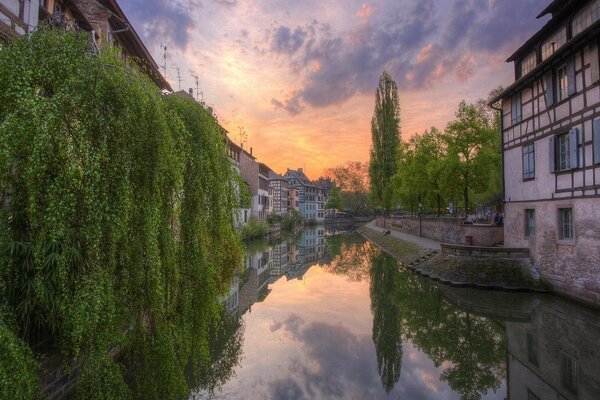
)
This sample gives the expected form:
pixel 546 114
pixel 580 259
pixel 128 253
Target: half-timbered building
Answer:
pixel 551 149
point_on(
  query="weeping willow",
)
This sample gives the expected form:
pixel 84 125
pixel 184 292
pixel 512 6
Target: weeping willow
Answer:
pixel 116 233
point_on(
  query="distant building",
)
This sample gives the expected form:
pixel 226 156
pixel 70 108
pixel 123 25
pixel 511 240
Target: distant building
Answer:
pixel 311 196
pixel 104 19
pixel 262 206
pixel 243 212
pixel 551 149
pixel 279 195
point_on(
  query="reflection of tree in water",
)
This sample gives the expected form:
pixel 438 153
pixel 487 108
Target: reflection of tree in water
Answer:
pixel 225 341
pixel 387 322
pixel 350 256
pixel 471 348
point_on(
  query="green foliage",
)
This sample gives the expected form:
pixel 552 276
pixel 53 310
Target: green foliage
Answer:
pixel 385 132
pixel 334 200
pixel 289 222
pixel 245 199
pixel 18 369
pixel 116 207
pixel 352 178
pixel 255 229
pixel 463 163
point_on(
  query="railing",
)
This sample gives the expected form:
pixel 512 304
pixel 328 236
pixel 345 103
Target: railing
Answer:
pixel 11 26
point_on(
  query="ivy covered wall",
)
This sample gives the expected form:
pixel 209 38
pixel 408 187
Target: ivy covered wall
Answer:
pixel 116 206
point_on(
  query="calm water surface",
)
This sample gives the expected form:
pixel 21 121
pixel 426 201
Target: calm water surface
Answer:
pixel 326 315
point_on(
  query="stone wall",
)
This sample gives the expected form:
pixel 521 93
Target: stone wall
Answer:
pixel 571 267
pixel 447 230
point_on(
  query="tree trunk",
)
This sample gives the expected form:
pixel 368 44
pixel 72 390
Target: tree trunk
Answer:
pixel 438 201
pixel 466 195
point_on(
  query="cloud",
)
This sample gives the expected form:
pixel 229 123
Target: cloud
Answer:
pixel 287 41
pixel 292 105
pixel 162 21
pixel 411 42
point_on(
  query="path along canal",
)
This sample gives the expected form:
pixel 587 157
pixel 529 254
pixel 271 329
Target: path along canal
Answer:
pixel 326 315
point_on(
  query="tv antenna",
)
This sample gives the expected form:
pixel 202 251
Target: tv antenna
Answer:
pixel 243 137
pixel 164 47
pixel 195 76
pixel 178 76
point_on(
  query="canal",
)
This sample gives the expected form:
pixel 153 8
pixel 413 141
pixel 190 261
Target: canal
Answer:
pixel 327 315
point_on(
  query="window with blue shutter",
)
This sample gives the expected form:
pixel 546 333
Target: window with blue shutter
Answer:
pixel 573 148
pixel 516 108
pixel 549 90
pixel 552 155
pixel 597 141
pixel 571 77
pixel 528 161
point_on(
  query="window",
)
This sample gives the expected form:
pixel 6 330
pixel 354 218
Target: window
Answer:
pixel 562 148
pixel 528 161
pixel 553 43
pixel 529 222
pixel 528 64
pixel 586 17
pixel 569 371
pixel 516 108
pixel 562 83
pixel 532 349
pixel 565 223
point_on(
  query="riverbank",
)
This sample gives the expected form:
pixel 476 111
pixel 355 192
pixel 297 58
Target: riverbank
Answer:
pixel 454 266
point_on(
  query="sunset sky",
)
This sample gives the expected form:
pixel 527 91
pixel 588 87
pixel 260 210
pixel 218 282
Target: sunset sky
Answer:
pixel 299 75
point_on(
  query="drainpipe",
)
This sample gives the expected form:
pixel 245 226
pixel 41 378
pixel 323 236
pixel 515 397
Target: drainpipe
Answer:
pixel 502 151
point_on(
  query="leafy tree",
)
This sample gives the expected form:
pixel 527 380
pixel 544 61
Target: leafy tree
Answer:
pixel 385 132
pixel 419 178
pixel 472 152
pixel 353 180
pixel 334 200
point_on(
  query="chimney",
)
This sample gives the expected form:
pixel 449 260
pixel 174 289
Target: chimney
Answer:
pixel 300 169
pixel 191 92
pixel 250 150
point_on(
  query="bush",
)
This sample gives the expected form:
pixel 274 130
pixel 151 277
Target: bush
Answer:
pixel 255 229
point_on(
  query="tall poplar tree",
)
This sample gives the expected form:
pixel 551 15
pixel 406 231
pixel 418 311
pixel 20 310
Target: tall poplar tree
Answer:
pixel 385 132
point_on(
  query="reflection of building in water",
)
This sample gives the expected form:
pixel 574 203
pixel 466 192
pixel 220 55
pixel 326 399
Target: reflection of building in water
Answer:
pixel 231 300
pixel 311 250
pixel 556 355
pixel 279 259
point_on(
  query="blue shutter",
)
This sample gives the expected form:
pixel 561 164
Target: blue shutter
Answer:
pixel 597 141
pixel 552 154
pixel 594 67
pixel 573 148
pixel 571 77
pixel 549 90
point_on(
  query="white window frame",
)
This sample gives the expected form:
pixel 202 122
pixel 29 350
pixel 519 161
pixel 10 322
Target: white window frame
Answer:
pixel 566 231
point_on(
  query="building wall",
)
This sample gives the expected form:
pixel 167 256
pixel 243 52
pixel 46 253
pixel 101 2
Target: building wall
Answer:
pixel 571 266
pixel 449 230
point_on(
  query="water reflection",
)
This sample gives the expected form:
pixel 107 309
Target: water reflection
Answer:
pixel 326 315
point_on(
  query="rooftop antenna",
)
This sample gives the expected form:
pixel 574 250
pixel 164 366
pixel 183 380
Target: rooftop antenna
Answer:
pixel 178 76
pixel 243 137
pixel 195 76
pixel 164 47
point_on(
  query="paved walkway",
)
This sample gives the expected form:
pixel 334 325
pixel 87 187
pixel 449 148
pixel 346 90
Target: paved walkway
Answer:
pixel 407 237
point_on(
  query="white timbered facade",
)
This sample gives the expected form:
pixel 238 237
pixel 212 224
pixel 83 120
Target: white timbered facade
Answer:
pixel 551 149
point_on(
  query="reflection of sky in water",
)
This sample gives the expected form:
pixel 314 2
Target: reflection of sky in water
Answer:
pixel 312 338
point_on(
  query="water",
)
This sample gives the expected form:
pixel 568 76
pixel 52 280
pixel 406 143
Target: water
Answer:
pixel 325 316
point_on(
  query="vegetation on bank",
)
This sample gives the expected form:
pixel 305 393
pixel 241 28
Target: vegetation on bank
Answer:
pixel 116 207
pixel 461 165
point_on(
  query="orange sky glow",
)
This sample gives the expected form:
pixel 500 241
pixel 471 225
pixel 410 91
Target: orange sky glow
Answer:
pixel 299 77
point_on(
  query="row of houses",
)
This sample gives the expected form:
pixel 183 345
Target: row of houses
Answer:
pixel 275 194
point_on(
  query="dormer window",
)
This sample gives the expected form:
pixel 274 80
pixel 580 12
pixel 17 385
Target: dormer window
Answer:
pixel 554 43
pixel 528 64
pixel 586 17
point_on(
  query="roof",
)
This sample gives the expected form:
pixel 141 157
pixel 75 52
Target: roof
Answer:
pixel 543 66
pixel 127 38
pixel 559 9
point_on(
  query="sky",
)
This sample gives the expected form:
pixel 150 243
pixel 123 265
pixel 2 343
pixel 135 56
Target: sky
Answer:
pixel 299 76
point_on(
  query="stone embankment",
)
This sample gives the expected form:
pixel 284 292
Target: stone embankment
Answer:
pixel 485 267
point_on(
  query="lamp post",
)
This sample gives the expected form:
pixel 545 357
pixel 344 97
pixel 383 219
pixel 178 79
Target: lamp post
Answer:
pixel 420 219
